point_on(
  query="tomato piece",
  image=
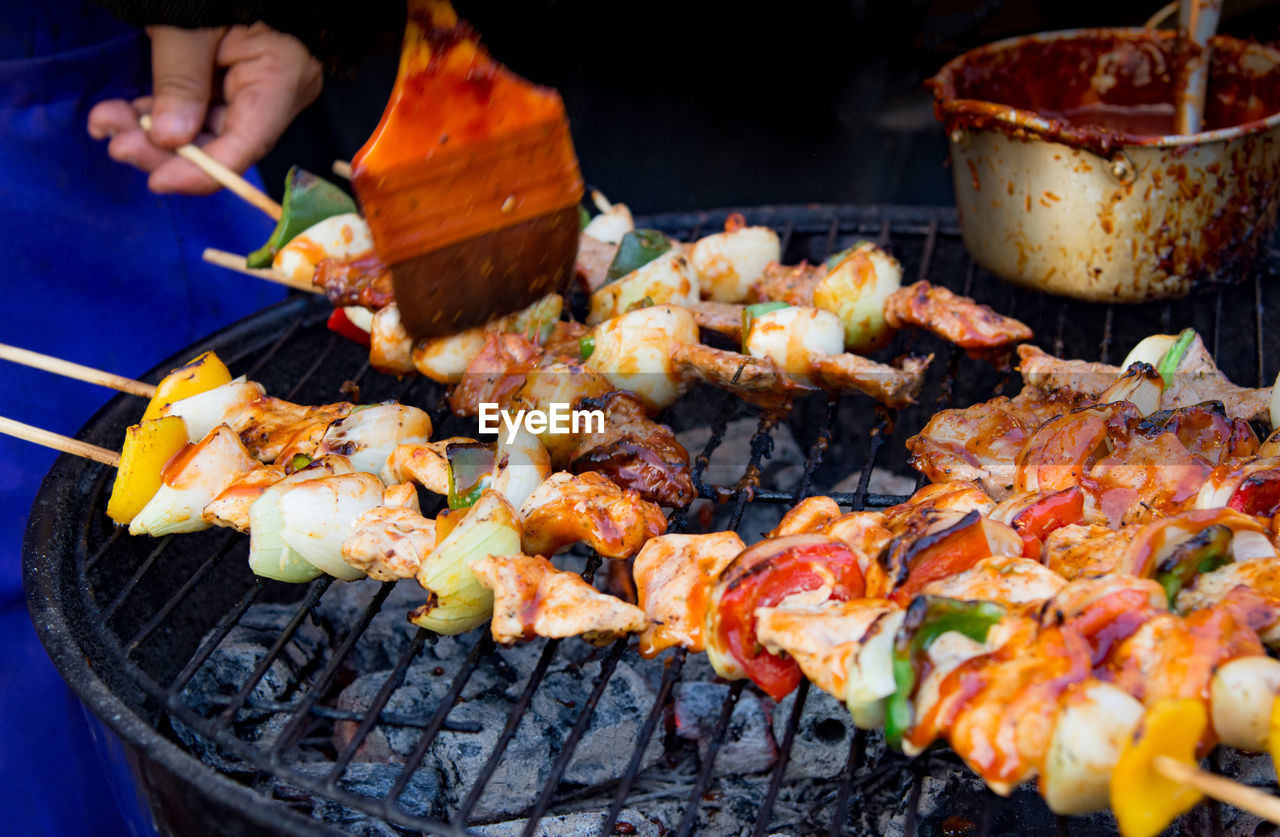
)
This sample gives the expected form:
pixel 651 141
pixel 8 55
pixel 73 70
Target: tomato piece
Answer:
pixel 764 575
pixel 1032 546
pixel 943 554
pixel 1111 619
pixel 1258 494
pixel 1053 511
pixel 340 324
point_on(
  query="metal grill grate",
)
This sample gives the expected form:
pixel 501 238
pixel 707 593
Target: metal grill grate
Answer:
pixel 131 621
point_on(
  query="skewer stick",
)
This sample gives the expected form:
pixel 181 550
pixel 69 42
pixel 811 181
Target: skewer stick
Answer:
pixel 57 441
pixel 224 176
pixel 67 369
pixel 1158 19
pixel 1233 793
pixel 342 169
pixel 234 261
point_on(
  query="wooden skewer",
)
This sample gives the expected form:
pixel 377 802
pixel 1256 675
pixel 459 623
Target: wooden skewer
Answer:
pixel 342 169
pixel 67 369
pixel 1233 793
pixel 1157 19
pixel 57 441
pixel 234 261
pixel 224 176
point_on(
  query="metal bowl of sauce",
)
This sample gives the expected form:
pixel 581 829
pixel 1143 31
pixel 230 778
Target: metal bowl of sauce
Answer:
pixel 1070 179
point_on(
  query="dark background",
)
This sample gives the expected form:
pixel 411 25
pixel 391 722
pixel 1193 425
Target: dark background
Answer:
pixel 709 104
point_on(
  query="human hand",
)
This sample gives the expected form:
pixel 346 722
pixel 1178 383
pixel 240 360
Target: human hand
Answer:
pixel 231 90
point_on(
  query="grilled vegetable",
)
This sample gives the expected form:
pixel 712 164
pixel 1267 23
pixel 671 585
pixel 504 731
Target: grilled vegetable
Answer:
pixel 613 222
pixel 269 555
pixel 1169 363
pixel 1204 552
pixel 665 278
pixel 855 289
pixel 369 434
pixel 1095 723
pixel 190 480
pixel 340 323
pixel 750 312
pixel 765 575
pixel 522 465
pixel 471 466
pixel 148 445
pixel 1241 696
pixel 792 337
pixel 728 263
pixel 458 601
pixel 206 410
pixel 308 200
pixel 1143 800
pixel 634 352
pixel 927 619
pixel 950 551
pixel 871 679
pixel 319 514
pixel 201 374
pixel 636 249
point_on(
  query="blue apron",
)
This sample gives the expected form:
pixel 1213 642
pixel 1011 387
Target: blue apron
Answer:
pixel 99 271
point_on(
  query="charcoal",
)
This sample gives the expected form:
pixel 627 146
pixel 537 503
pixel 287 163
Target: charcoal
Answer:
pixel 882 481
pixel 422 795
pixel 821 745
pixel 233 661
pixel 782 468
pixel 572 825
pixel 389 633
pixel 603 752
pixel 748 746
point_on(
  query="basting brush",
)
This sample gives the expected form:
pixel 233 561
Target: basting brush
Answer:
pixel 469 183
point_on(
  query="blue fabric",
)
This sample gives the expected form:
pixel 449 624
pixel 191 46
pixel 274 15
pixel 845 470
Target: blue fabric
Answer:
pixel 96 270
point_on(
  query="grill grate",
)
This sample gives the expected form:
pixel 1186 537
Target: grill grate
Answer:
pixel 133 622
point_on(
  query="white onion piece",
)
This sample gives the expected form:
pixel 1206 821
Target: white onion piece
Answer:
pixel 1149 350
pixel 359 316
pixel 1242 693
pixel 1251 546
pixel 613 222
pixel 1093 727
pixel 1275 404
pixel 206 410
pixel 793 336
pixel 668 278
pixel 192 478
pixel 1215 494
pixel 336 237
pixel 269 555
pixel 369 434
pixel 634 352
pixel 855 291
pixel 871 673
pixel 728 263
pixel 521 467
pixel 319 514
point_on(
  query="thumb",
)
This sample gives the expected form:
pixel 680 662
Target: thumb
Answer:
pixel 182 77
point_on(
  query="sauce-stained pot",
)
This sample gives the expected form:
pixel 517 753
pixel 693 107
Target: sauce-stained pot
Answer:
pixel 1069 179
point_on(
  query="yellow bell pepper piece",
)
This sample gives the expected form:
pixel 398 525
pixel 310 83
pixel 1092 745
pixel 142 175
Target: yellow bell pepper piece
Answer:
pixel 1142 799
pixel 1273 738
pixel 201 374
pixel 147 447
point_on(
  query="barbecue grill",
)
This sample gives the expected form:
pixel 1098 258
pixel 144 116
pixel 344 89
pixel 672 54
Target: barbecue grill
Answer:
pixel 235 696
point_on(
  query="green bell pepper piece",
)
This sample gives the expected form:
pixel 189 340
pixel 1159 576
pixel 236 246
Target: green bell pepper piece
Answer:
pixel 1207 550
pixel 308 200
pixel 470 472
pixel 1169 363
pixel 928 617
pixel 637 249
pixel 586 345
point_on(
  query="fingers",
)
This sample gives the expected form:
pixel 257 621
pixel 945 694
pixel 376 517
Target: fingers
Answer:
pixel 182 64
pixel 114 116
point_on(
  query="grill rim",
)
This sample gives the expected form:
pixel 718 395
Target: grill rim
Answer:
pixel 53 569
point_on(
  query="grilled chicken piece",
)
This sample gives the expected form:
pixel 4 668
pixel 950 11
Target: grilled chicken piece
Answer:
pixel 532 598
pixel 964 322
pixel 893 386
pixel 981 443
pixel 357 280
pixel 821 639
pixel 594 258
pixel 231 507
pixel 1000 578
pixel 424 464
pixel 1052 374
pixel 810 515
pixel 934 505
pixel 568 508
pixel 721 317
pixel 1261 578
pixel 390 346
pixel 272 427
pixel 1080 551
pixel 756 380
pixel 674 575
pixel 389 543
pixel 792 284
